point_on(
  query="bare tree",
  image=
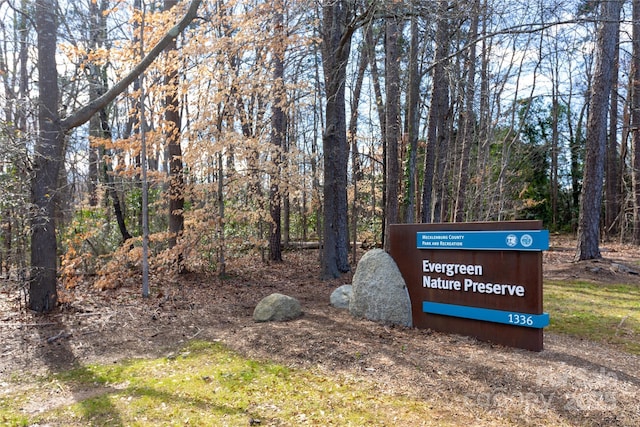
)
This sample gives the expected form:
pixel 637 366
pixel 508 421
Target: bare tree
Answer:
pixel 173 121
pixel 338 27
pixel 635 121
pixel 591 201
pixel 412 121
pixel 612 177
pixel 437 113
pixel 278 131
pixel 356 172
pixel 467 117
pixel 392 131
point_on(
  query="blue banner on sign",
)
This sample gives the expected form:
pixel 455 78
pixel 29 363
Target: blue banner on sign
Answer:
pixel 489 315
pixel 502 240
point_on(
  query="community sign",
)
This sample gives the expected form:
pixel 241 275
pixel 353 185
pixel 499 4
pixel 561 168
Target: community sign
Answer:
pixel 481 279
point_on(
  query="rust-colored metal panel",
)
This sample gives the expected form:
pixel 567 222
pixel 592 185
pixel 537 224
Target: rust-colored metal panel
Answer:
pixel 522 268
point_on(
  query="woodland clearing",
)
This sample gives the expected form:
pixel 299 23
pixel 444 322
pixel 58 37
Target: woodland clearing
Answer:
pixel 573 381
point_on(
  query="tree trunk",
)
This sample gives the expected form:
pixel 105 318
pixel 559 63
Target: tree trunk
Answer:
pixel 611 179
pixel 47 159
pixel 577 154
pixel 392 90
pixel 356 172
pixel 375 77
pixel 555 136
pixel 96 17
pixel 591 201
pixel 222 260
pixel 111 187
pixel 278 130
pixel 437 114
pixel 380 109
pixel 468 118
pixel 335 54
pixel 485 125
pixel 413 122
pixel 555 148
pixel 635 122
pixel 176 171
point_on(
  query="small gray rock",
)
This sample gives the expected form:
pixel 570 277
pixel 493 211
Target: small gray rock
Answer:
pixel 276 308
pixel 341 296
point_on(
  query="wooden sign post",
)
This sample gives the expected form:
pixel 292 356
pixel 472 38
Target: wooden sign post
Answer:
pixel 481 279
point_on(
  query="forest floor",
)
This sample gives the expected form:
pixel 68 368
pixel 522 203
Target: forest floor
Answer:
pixel 572 381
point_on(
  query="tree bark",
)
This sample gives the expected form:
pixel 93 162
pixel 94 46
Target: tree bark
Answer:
pixel 413 122
pixel 356 173
pixel 173 124
pixel 635 121
pixel 555 148
pixel 95 85
pixel 591 201
pixel 468 118
pixel 48 155
pixel 335 54
pixel 375 77
pixel 278 130
pixel 437 114
pixel 392 133
pixel 612 181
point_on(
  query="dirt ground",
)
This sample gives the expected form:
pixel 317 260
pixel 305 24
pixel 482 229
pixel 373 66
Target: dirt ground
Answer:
pixel 573 381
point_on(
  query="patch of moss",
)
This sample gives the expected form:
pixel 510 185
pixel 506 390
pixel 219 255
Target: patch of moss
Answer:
pixel 206 384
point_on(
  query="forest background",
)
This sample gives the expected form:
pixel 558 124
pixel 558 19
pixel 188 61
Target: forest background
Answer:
pixel 174 135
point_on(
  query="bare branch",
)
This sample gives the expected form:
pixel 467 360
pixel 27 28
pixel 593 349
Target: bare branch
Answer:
pixel 82 115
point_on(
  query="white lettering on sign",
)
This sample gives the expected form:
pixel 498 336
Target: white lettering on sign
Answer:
pixel 442 240
pixel 440 283
pixel 451 269
pixel 493 288
pixel 467 284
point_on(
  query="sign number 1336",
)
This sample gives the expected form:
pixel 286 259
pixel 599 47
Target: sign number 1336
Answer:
pixel 520 319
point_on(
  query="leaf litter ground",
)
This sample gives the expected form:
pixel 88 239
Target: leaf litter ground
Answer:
pixel 572 382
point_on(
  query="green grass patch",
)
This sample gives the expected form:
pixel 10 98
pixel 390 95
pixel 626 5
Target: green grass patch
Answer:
pixel 8 415
pixel 206 384
pixel 14 395
pixel 598 312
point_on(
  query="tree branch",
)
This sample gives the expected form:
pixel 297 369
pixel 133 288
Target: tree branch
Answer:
pixel 82 115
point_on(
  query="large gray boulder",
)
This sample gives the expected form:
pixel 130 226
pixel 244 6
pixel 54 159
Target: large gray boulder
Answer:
pixel 341 296
pixel 379 292
pixel 276 308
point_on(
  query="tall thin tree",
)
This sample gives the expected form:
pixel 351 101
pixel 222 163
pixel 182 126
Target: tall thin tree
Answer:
pixel 173 123
pixel 611 173
pixel 437 112
pixel 635 120
pixel 356 173
pixel 467 116
pixel 278 131
pixel 392 131
pixel 591 199
pixel 337 29
pixel 412 120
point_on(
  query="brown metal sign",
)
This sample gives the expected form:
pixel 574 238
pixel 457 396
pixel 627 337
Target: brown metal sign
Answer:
pixel 481 279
